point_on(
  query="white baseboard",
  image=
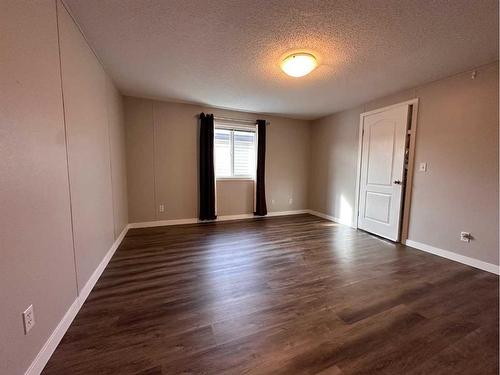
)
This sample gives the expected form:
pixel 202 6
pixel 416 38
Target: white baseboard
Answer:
pixel 284 213
pixel 87 288
pixel 55 338
pixel 232 217
pixel 331 218
pixel 489 267
pixel 161 223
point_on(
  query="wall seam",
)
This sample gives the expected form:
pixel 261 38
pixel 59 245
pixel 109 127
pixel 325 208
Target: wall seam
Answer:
pixel 66 147
pixel 154 159
pixel 124 146
pixel 106 86
pixel 309 165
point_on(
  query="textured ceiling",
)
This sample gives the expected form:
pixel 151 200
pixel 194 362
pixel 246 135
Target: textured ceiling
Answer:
pixel 226 53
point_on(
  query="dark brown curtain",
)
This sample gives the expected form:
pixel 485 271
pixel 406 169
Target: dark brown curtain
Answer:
pixel 260 188
pixel 207 171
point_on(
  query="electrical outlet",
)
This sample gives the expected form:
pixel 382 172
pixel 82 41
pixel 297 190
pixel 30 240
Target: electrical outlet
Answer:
pixel 162 208
pixel 290 200
pixel 28 319
pixel 465 236
pixel 273 201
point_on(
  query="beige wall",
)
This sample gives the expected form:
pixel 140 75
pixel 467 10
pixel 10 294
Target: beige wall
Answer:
pixel 36 249
pixel 118 157
pixel 85 96
pixel 235 197
pixel 140 159
pixel 35 225
pixel 334 157
pixel 457 136
pixel 162 156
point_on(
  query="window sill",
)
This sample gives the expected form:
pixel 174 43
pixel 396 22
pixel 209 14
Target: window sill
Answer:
pixel 234 179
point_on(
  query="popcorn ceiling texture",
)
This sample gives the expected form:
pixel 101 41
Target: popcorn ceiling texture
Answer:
pixel 226 53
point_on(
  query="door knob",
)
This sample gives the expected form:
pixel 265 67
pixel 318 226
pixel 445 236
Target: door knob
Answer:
pixel 397 182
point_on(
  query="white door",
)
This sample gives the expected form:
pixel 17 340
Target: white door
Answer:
pixel 382 167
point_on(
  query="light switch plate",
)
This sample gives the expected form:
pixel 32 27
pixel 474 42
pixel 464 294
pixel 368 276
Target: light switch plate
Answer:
pixel 422 167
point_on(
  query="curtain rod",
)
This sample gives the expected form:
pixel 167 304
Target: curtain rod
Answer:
pixel 231 119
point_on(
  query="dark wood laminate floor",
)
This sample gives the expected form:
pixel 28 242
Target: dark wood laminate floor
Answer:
pixel 284 295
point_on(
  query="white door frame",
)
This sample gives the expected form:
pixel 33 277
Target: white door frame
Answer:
pixel 411 162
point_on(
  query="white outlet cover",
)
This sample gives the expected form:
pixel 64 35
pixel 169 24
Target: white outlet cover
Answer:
pixel 28 319
pixel 465 236
pixel 162 208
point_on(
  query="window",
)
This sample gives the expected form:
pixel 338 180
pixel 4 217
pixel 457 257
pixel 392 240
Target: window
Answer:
pixel 234 153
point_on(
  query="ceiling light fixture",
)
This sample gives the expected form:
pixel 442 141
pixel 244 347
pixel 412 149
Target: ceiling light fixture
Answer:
pixel 299 64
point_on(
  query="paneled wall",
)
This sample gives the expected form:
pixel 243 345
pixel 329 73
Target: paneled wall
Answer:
pixel 162 152
pixel 63 171
pixel 85 105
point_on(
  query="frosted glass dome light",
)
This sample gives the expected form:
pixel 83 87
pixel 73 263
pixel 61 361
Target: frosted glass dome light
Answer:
pixel 299 64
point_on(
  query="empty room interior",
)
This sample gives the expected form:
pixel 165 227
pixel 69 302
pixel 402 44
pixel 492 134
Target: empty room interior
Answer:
pixel 249 187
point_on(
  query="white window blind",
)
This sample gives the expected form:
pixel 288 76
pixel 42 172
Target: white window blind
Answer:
pixel 222 145
pixel 234 153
